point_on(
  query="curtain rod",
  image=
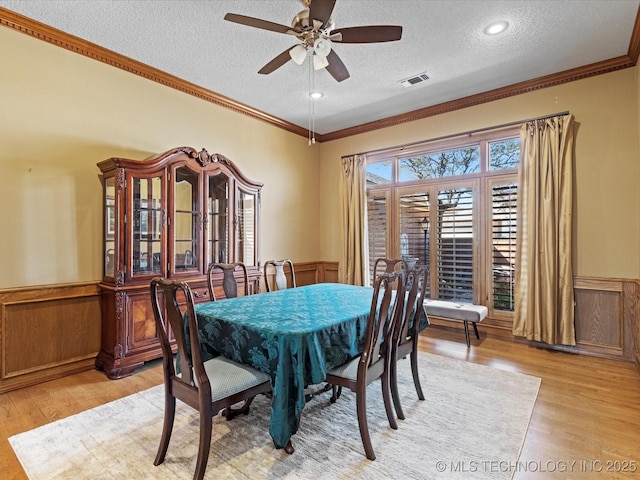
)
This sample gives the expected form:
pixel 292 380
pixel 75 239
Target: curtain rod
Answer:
pixel 463 134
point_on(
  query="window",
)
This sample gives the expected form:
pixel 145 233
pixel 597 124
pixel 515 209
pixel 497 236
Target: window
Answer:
pixel 450 205
pixel 379 172
pixel 440 164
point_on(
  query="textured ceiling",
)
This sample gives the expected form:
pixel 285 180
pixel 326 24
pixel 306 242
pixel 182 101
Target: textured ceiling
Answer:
pixel 190 39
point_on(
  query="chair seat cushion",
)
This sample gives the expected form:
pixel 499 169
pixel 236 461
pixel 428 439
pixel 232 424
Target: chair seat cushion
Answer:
pixel 346 370
pixel 228 377
pixel 349 370
pixel 455 311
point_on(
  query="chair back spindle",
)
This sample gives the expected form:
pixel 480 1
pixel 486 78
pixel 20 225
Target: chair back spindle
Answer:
pixel 390 265
pixel 280 275
pixel 229 281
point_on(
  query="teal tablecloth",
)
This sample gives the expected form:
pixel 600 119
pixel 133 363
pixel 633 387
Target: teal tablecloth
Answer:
pixel 294 335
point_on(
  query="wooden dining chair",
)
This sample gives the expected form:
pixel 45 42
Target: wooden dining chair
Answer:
pixel 374 362
pixel 229 281
pixel 389 265
pixel 209 386
pixel 279 274
pixel 406 331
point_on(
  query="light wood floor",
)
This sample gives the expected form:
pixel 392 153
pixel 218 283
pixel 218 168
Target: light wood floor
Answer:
pixel 587 411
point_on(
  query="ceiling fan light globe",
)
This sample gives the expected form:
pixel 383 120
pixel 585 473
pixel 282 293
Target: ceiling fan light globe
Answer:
pixel 319 62
pixel 322 46
pixel 298 54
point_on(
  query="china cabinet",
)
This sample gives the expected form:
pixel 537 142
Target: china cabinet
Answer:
pixel 170 215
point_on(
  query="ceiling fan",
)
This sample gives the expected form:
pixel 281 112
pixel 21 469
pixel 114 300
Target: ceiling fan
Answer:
pixel 314 28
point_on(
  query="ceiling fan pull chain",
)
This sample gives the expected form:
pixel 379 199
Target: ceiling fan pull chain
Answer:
pixel 312 126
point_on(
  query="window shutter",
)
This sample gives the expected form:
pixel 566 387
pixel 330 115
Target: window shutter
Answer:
pixel 414 229
pixel 414 208
pixel 377 205
pixel 455 245
pixel 504 233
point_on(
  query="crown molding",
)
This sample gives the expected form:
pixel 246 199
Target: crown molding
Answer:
pixel 56 37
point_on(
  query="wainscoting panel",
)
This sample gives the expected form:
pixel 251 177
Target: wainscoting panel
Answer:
pixel 316 272
pixel 605 316
pixel 47 332
pixel 308 273
pixel 599 318
pixel 328 272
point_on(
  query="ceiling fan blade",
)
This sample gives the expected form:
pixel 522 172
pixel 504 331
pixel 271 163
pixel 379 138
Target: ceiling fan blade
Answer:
pixel 321 10
pixel 258 23
pixel 370 34
pixel 336 68
pixel 276 63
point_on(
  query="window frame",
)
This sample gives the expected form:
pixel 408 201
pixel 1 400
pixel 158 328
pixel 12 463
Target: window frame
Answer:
pixel 481 183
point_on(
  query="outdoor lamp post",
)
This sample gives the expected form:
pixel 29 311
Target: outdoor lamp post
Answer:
pixel 425 228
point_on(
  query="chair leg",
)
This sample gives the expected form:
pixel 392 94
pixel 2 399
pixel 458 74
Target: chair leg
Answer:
pixel 466 333
pixel 414 371
pixel 167 428
pixel 395 395
pixel 388 404
pixel 475 329
pixel 336 391
pixel 204 445
pixel 361 406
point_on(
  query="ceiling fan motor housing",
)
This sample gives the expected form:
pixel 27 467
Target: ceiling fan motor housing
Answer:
pixel 310 32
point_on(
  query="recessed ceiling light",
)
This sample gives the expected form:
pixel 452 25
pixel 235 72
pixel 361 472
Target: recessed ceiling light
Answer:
pixel 315 94
pixel 496 28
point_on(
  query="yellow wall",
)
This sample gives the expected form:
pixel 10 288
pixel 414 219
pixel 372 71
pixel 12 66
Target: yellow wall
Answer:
pixel 61 113
pixel 607 186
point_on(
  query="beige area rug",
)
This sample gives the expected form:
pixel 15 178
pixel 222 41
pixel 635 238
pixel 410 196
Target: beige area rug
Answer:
pixel 472 425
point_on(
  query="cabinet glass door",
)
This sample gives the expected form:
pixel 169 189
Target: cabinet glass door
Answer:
pixel 147 223
pixel 109 226
pixel 186 221
pixel 217 219
pixel 246 227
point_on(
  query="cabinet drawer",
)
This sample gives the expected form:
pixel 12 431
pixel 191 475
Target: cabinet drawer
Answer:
pixel 200 294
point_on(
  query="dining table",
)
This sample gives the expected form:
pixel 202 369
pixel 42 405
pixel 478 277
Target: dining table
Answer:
pixel 295 335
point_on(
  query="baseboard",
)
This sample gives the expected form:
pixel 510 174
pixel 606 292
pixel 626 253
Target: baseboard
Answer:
pixel 45 375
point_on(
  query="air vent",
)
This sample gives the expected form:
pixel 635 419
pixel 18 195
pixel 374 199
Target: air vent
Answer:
pixel 419 78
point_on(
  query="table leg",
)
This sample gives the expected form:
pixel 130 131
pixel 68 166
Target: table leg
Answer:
pixel 310 395
pixel 288 448
pixel 230 413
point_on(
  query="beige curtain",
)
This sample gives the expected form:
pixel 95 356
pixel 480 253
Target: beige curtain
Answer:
pixel 544 309
pixel 354 260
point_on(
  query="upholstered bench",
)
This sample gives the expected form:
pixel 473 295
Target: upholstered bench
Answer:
pixel 464 312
